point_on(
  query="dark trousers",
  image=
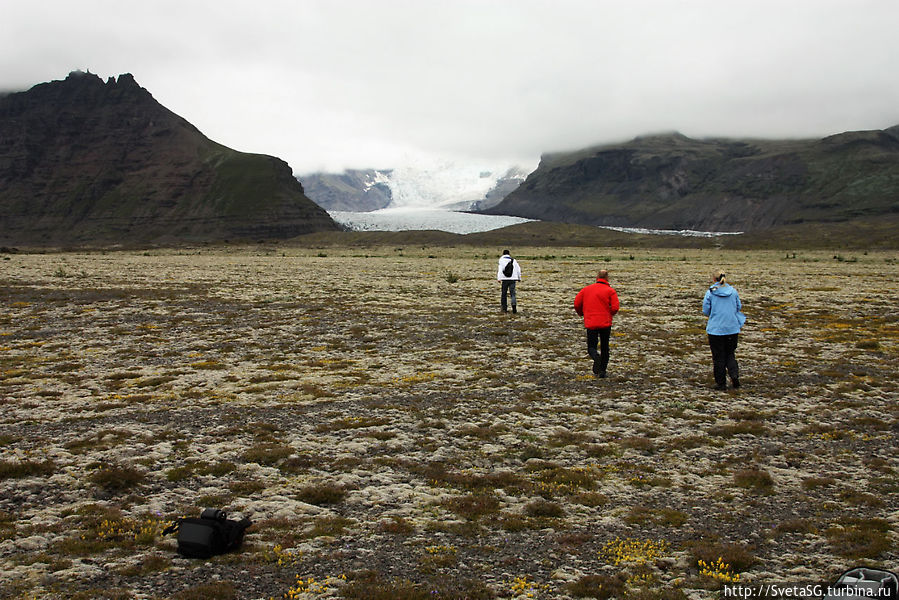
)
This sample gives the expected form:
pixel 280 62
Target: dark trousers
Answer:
pixel 508 289
pixel 724 360
pixel 600 336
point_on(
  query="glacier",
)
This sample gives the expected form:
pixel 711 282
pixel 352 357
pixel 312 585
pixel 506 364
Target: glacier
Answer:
pixel 422 218
pixel 452 184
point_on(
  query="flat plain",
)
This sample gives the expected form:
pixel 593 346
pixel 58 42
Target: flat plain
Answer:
pixel 392 434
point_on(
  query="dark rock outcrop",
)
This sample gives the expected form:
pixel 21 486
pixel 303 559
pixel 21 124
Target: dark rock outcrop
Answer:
pixel 674 182
pixel 88 162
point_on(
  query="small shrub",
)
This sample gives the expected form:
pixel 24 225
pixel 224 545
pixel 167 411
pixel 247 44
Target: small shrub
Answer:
pixel 568 479
pixel 592 499
pixel 329 526
pixel 16 469
pixel 530 452
pixel 868 345
pixel 451 277
pixel 246 488
pixel 755 479
pixel 438 557
pixel 371 586
pixel 598 586
pixel 794 526
pixel 859 498
pixel 396 526
pixel 117 478
pixel 860 538
pixel 639 443
pixel 267 454
pixel 737 556
pixel 741 428
pixel 568 438
pixel 603 450
pixel 813 483
pixel 320 495
pixel 151 564
pixel 473 506
pixel 180 473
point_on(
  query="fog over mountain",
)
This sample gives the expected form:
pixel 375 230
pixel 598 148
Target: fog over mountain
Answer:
pixel 328 85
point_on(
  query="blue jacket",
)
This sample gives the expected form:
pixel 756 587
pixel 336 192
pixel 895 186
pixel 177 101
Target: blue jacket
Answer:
pixel 722 305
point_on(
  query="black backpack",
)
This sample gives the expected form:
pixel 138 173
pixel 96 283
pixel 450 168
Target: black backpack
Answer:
pixel 213 533
pixel 509 268
pixel 862 582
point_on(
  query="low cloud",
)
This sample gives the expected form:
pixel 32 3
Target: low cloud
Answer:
pixel 341 83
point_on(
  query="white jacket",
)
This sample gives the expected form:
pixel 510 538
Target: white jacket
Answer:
pixel 516 269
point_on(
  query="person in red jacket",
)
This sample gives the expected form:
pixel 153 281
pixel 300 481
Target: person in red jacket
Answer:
pixel 598 303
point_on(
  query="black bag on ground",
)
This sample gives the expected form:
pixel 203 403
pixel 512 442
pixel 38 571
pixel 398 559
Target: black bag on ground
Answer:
pixel 509 268
pixel 211 534
pixel 862 582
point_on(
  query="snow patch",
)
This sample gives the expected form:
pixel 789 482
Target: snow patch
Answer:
pixel 682 232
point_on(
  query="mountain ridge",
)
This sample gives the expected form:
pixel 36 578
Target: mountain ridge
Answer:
pixel 671 181
pixel 88 162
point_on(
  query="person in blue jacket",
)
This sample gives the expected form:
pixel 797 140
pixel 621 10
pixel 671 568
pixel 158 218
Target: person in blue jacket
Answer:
pixel 722 306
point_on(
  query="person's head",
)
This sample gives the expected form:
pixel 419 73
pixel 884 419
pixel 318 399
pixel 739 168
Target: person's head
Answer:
pixel 719 277
pixel 603 274
pixel 505 252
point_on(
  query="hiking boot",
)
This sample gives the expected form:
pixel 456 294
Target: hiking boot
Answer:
pixel 736 383
pixel 514 309
pixel 721 386
pixel 596 369
pixel 602 375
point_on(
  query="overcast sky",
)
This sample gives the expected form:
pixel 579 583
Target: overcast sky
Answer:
pixel 333 84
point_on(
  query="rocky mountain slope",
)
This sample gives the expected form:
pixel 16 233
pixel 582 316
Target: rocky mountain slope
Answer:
pixel 675 182
pixel 353 190
pixel 88 162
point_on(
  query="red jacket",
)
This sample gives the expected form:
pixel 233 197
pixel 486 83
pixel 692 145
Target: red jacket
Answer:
pixel 597 303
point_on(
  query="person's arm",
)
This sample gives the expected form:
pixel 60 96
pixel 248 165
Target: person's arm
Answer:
pixel 707 303
pixel 613 303
pixel 579 303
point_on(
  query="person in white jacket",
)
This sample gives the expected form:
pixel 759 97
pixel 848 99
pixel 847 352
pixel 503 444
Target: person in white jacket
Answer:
pixel 508 278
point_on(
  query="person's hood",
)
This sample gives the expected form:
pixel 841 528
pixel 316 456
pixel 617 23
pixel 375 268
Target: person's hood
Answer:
pixel 722 290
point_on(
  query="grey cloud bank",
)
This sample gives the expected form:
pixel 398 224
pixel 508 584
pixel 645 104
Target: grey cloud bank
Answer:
pixel 333 84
